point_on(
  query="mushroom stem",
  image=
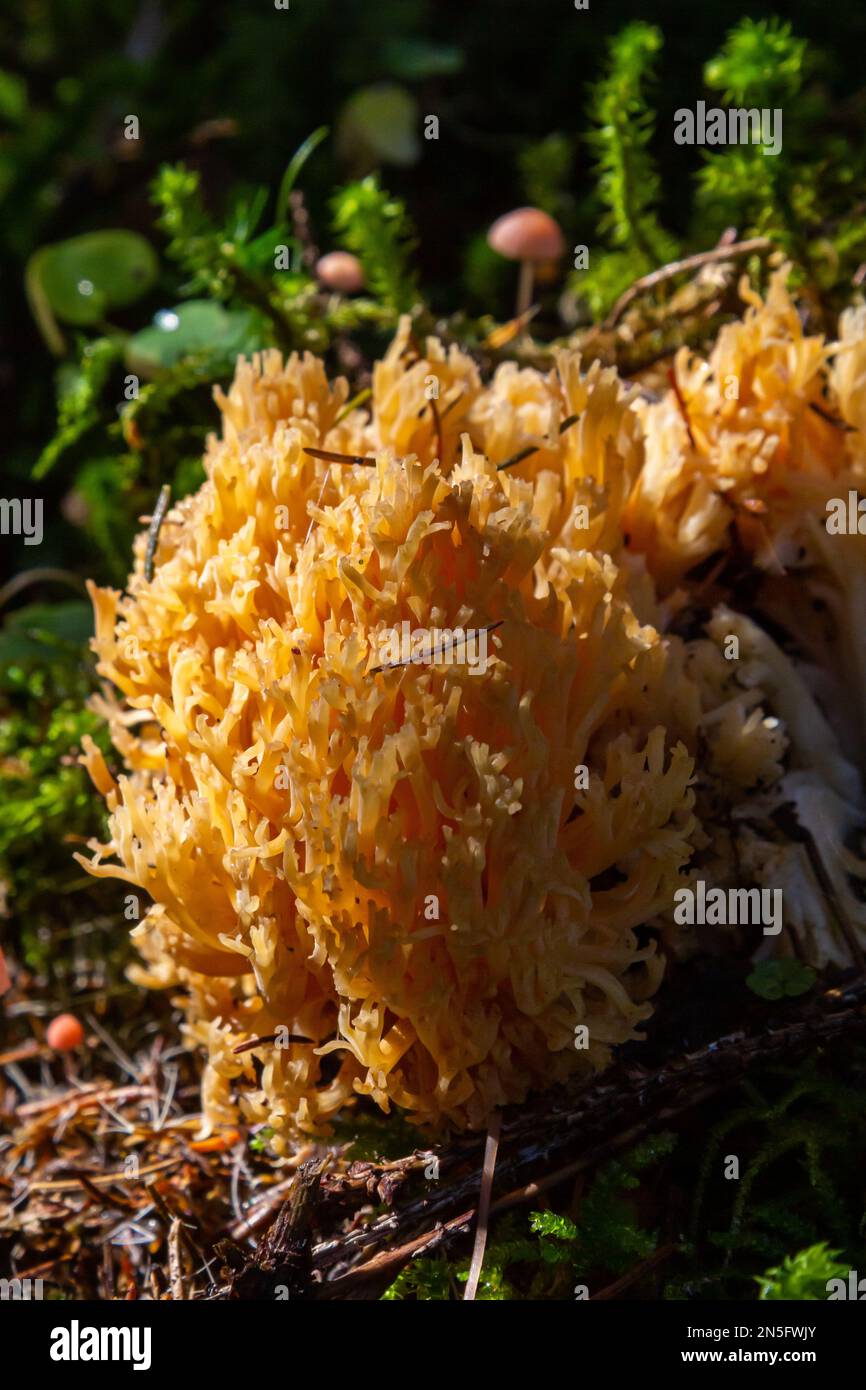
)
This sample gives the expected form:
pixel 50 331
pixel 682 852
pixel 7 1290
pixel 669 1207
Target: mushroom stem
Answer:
pixel 524 287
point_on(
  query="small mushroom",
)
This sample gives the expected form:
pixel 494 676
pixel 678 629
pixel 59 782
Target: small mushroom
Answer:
pixel 527 235
pixel 341 271
pixel 64 1033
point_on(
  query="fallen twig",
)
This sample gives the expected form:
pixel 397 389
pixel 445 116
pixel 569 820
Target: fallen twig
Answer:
pixel 695 262
pixel 175 1275
pixel 105 1179
pixel 281 1265
pixel 73 1101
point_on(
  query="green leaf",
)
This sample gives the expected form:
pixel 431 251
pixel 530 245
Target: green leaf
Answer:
pixel 246 213
pixel 379 125
pixel 81 280
pixel 781 979
pixel 106 485
pixel 296 164
pixel 261 1139
pixel 199 326
pixel 29 633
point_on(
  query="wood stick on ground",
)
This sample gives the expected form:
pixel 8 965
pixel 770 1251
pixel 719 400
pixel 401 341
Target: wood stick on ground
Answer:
pixel 175 1274
pixel 375 1275
pixel 104 1179
pixel 282 1265
pixel 259 1213
pixel 72 1101
pixel 696 262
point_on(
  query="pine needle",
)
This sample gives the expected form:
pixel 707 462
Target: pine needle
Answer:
pixel 156 521
pixel 330 457
pixel 534 448
pixel 490 1151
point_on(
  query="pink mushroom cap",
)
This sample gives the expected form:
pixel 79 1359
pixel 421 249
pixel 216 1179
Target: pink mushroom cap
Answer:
pixel 527 234
pixel 341 271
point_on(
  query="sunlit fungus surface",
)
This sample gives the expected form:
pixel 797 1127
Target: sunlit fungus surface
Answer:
pixel 418 748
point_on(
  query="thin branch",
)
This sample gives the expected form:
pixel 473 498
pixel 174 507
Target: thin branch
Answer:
pixel 695 262
pixel 388 1264
pixel 175 1274
pixel 45 575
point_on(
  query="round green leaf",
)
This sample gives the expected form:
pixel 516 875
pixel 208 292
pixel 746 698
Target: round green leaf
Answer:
pixel 81 280
pixel 198 326
pixel 379 124
pixel 781 979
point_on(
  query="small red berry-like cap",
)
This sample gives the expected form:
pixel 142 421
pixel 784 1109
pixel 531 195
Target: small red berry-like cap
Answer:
pixel 64 1033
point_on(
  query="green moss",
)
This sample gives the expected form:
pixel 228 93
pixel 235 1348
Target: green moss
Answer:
pixel 376 228
pixel 542 1256
pixel 48 803
pixel 803 1276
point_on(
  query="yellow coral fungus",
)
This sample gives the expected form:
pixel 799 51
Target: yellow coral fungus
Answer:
pixel 759 448
pixel 436 869
pixel 395 863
